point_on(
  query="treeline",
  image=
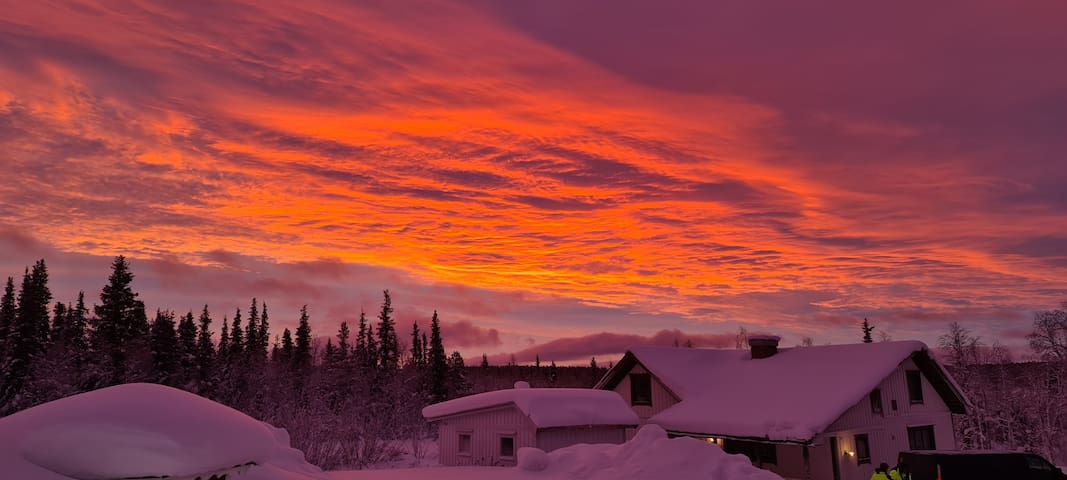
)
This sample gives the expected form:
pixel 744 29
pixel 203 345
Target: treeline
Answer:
pixel 1015 405
pixel 351 402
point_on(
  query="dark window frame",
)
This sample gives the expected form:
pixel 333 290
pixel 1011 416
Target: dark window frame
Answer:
pixel 914 379
pixel 470 443
pixel 863 454
pixel 500 446
pixel 920 435
pixel 876 402
pixel 759 453
pixel 646 382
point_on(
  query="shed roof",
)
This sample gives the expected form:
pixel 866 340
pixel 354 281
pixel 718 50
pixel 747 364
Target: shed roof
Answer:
pixel 546 407
pixel 790 396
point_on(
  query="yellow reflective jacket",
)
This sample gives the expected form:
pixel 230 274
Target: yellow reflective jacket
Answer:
pixel 894 474
pixel 879 476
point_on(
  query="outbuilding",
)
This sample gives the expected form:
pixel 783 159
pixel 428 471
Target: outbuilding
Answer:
pixel 489 428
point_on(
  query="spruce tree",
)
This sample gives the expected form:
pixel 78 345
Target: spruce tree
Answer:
pixel 224 338
pixel 485 362
pixel 59 323
pixel 867 329
pixel 360 352
pixel 264 332
pixel 252 344
pixel 287 347
pixel 343 348
pixel 237 341
pixel 74 337
pixel 594 372
pixel 302 351
pixel 29 333
pixel 537 361
pixel 7 319
pixel 438 363
pixel 164 348
pixel 388 344
pixel 424 346
pixel 457 376
pixel 372 350
pixel 205 348
pixel 120 322
pixel 553 374
pixel 416 348
pixel 187 347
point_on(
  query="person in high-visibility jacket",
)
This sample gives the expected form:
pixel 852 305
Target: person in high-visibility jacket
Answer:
pixel 900 472
pixel 881 473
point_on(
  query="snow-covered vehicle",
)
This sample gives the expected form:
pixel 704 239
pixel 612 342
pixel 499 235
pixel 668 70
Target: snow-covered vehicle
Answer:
pixel 145 431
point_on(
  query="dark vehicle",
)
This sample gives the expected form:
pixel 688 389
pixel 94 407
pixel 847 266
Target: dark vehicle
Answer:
pixel 979 465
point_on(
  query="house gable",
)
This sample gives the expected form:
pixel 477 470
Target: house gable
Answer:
pixel 618 380
pixel 895 401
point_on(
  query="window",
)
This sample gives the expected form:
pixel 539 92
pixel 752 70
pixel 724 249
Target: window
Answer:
pixel 915 386
pixel 876 401
pixel 921 438
pixel 507 447
pixel 893 403
pixel 465 444
pixel 863 449
pixel 758 453
pixel 640 389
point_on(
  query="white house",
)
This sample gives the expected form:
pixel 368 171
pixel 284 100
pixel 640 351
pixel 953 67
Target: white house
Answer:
pixel 822 412
pixel 489 428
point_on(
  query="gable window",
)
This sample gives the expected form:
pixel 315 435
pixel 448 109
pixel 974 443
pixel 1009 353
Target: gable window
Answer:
pixel 640 389
pixel 863 449
pixel 507 447
pixel 876 401
pixel 464 444
pixel 921 438
pixel 915 386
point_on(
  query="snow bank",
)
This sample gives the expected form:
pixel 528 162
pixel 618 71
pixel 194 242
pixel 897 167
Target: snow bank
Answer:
pixel 143 430
pixel 651 455
pixel 532 459
pixel 547 407
pixel 792 395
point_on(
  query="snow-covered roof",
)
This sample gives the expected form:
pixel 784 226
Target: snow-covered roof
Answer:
pixel 546 407
pixel 790 396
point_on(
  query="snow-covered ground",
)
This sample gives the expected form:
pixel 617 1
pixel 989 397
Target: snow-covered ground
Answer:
pixel 151 431
pixel 649 456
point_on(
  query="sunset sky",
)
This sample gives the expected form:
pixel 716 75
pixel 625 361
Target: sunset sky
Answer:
pixel 558 177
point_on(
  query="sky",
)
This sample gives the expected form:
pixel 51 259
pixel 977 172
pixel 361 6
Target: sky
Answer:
pixel 560 178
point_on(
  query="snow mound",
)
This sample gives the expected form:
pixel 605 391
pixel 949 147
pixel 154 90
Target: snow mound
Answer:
pixel 143 430
pixel 650 455
pixel 532 459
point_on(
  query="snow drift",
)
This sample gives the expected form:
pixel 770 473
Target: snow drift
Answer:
pixel 143 430
pixel 650 455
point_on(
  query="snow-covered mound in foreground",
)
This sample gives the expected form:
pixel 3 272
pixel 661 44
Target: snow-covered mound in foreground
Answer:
pixel 143 430
pixel 651 455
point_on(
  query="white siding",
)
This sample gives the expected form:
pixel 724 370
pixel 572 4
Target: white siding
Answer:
pixel 662 398
pixel 887 432
pixel 485 427
pixel 555 438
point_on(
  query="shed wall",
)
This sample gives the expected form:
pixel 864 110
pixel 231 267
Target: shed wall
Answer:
pixel 485 427
pixel 555 438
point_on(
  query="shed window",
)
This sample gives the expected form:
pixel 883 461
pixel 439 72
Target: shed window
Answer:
pixel 863 449
pixel 876 401
pixel 465 444
pixel 507 447
pixel 640 389
pixel 921 438
pixel 915 386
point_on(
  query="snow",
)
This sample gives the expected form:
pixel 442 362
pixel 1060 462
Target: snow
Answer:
pixel 546 407
pixel 790 396
pixel 532 459
pixel 650 455
pixel 143 430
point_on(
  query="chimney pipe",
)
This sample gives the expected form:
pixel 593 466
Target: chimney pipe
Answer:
pixel 763 346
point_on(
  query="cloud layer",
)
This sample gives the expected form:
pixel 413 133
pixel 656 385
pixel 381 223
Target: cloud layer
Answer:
pixel 550 170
